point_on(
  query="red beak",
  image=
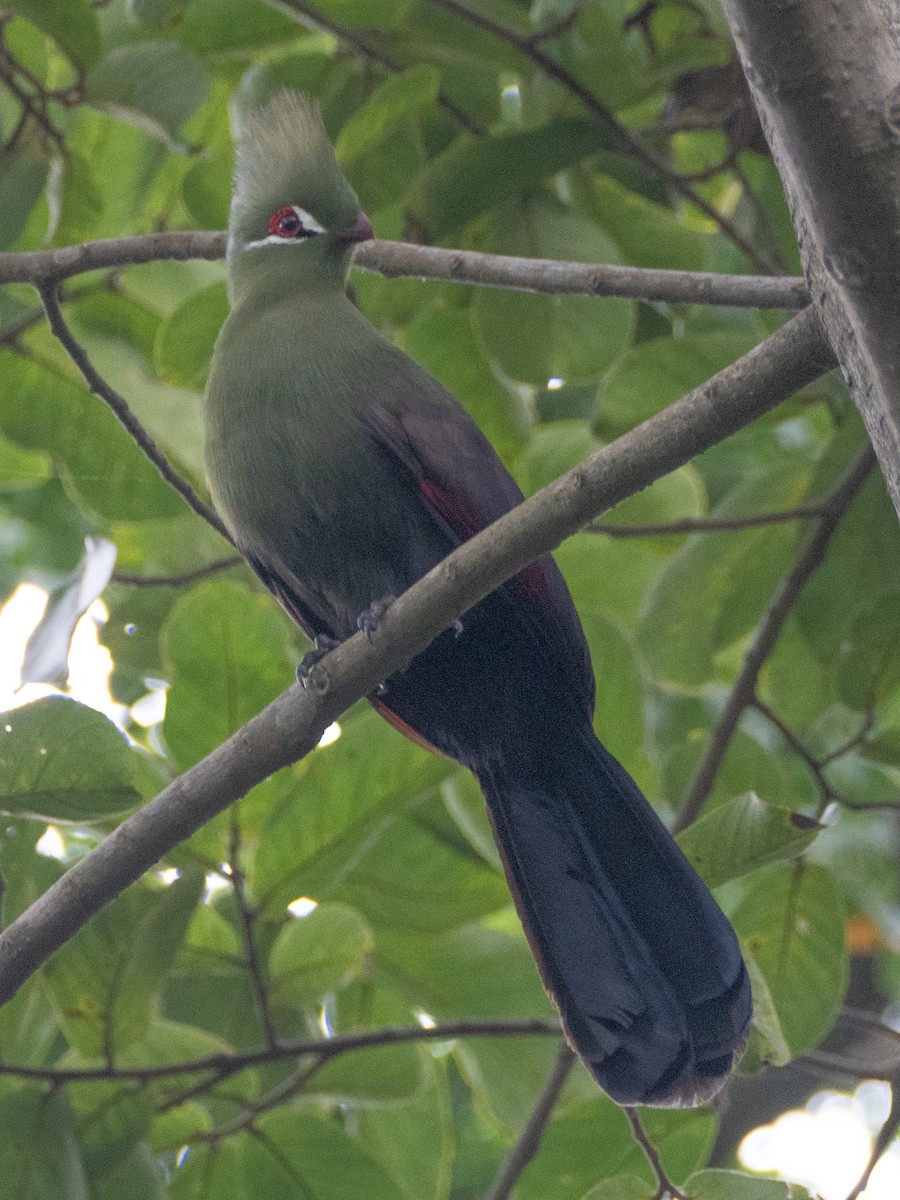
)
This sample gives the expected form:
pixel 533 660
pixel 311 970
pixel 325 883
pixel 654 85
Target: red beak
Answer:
pixel 360 230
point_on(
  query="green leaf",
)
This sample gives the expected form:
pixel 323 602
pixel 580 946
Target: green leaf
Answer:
pixel 21 468
pixel 71 23
pixel 622 1187
pixel 444 883
pixel 732 1185
pixel 154 85
pixel 332 806
pixel 654 374
pixel 396 98
pixel 868 664
pixel 185 342
pixel 317 954
pixel 226 649
pixel 769 1045
pixel 23 173
pixel 715 587
pixel 64 762
pixel 212 27
pixel 647 234
pixel 39 1154
pixel 862 563
pixel 360 14
pixel 43 410
pixel 535 338
pixel 619 715
pixel 206 190
pixel 371 1078
pixel 331 1164
pixel 554 448
pixel 76 201
pixel 592 1141
pixel 155 15
pixel 138 1175
pixel 106 980
pixel 792 920
pixel 679 494
pixel 742 834
pixel 475 175
pixel 415 1141
pixel 475 971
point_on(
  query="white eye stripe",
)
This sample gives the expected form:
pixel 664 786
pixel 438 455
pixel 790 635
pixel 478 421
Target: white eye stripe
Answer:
pixel 310 224
pixel 307 220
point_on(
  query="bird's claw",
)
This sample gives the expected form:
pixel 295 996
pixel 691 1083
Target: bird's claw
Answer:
pixel 323 645
pixel 367 622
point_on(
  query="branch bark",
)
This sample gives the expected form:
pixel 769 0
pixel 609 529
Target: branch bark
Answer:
pixel 825 76
pixel 530 1138
pixel 400 259
pixel 292 725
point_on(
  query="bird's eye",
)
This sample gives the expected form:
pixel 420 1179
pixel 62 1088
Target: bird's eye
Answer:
pixel 286 223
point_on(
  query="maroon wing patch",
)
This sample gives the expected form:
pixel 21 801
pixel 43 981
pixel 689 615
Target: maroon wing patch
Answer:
pixel 531 582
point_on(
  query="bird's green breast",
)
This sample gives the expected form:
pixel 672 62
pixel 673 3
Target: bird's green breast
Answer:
pixel 291 461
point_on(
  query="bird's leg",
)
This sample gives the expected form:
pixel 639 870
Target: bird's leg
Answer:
pixel 324 645
pixel 367 622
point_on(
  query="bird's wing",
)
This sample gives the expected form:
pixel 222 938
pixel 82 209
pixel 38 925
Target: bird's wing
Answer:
pixel 465 487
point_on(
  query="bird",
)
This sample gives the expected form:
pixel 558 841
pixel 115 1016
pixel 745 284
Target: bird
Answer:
pixel 344 472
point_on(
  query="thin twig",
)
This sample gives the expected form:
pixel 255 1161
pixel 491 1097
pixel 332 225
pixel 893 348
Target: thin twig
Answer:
pixel 364 49
pixel 705 524
pixel 824 1062
pixel 403 260
pixel 664 1185
pixel 226 1064
pixel 882 1140
pixel 213 568
pixel 768 631
pixel 530 1138
pixel 100 388
pixel 247 917
pixel 813 765
pixel 627 141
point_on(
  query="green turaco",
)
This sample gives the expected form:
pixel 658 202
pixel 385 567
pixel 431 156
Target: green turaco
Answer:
pixel 344 472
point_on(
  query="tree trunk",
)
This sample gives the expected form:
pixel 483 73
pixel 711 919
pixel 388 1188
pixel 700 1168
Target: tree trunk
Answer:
pixel 825 76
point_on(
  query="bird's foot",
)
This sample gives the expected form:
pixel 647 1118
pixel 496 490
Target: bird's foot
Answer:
pixel 367 622
pixel 324 645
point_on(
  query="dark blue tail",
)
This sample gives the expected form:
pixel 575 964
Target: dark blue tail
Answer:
pixel 644 968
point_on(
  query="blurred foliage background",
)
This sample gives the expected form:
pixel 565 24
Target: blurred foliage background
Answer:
pixel 498 128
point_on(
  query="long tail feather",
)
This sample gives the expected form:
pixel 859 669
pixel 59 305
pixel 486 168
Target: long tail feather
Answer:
pixel 642 964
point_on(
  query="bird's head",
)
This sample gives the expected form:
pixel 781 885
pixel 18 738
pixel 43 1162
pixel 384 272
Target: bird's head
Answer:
pixel 294 216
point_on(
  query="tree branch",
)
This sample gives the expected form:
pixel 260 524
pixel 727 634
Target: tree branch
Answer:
pixel 824 79
pixel 185 577
pixel 223 1065
pixel 292 725
pixel 247 916
pixel 629 143
pixel 768 631
pixel 664 1185
pixel 119 405
pixel 705 524
pixel 530 1138
pixel 402 260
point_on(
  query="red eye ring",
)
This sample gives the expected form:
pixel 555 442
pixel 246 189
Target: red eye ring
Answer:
pixel 286 223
